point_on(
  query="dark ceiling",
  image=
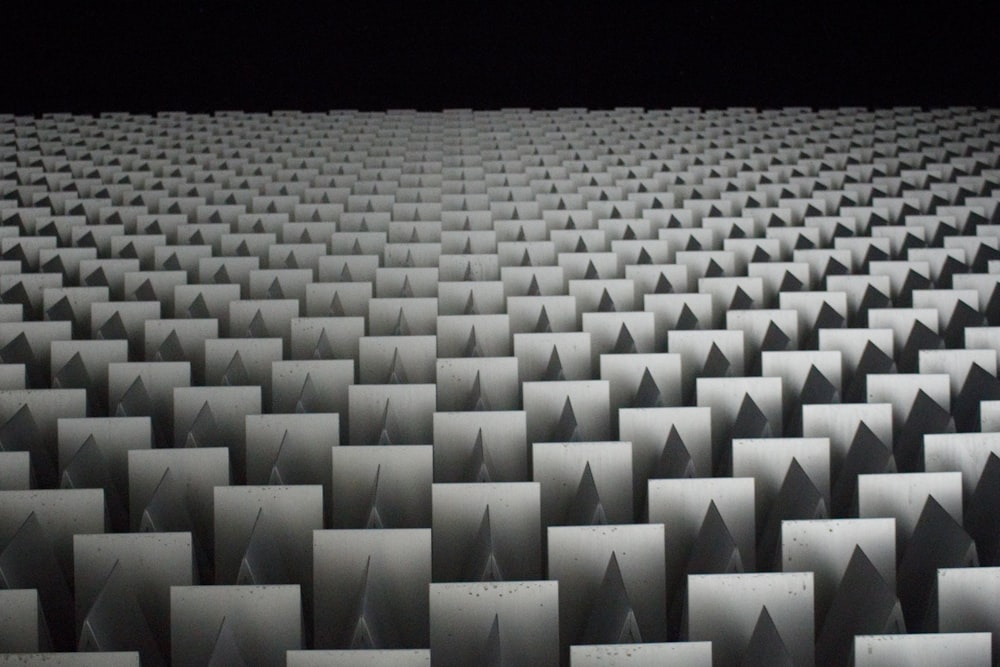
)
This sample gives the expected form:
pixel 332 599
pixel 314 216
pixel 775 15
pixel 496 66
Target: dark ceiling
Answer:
pixel 147 56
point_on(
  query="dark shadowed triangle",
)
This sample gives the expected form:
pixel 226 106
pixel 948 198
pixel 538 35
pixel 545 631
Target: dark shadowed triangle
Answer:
pixel 291 262
pixel 687 319
pixel 766 648
pixel 867 454
pixel 480 467
pixel 491 654
pixel 307 396
pixel 714 550
pixel 713 270
pixel 775 221
pixel 741 300
pixel 625 343
pixel 470 305
pixel 663 285
pixel 980 385
pixel 356 248
pixel 345 274
pixel 198 309
pixel 543 325
pixel 570 223
pixel 828 318
pixel 135 402
pixel 472 348
pixel 397 371
pixel 760 255
pixel 336 308
pixel 170 349
pixel 675 460
pixel 221 277
pixel 554 368
pixel 18 294
pixel 520 233
pixel 73 375
pixel 580 245
pixel 373 515
pixel 775 340
pixel 171 263
pixel 606 304
pixel 818 389
pixel 962 316
pixel 789 283
pixel 467 248
pixel 525 258
pixel 262 562
pixel 257 327
pixel 533 288
pixel 938 541
pixel 387 433
pixel 408 261
pixel 96 278
pixel 145 291
pixel 926 416
pixel 591 272
pixel 648 394
pixel 750 421
pixel 476 401
pixel 566 429
pixel 406 291
pixel 644 258
pixel 921 337
pixel 736 232
pixel 716 363
pixel 981 517
pixel 365 627
pixel 202 429
pixel 226 649
pixel 482 563
pixel 612 619
pixel 323 349
pixel 864 604
pixel 586 508
pixel 402 327
pixel 629 234
pixel 798 499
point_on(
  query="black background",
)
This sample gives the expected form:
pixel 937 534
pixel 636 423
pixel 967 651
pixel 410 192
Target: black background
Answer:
pixel 199 56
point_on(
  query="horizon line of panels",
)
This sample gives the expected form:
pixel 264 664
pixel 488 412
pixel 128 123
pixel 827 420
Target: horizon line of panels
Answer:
pixel 562 327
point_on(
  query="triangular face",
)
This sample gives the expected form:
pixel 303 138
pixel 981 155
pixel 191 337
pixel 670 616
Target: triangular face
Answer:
pixel 257 327
pixel 554 368
pixel 713 270
pixel 135 402
pixel 525 258
pixel 566 429
pixel 741 300
pixel 336 308
pixel 687 319
pixel 387 434
pixel 866 454
pixel 406 291
pixel 716 363
pixel 363 635
pixel 472 348
pixel 543 325
pixel 492 653
pixel 775 340
pixel 663 286
pixel 766 648
pixel 397 371
pixel 198 309
pixel 591 272
pixel 625 343
pixel 323 348
pixel 586 508
pixel 470 305
pixel 307 397
pixel 236 374
pixel 221 277
pixel 373 516
pixel 482 563
pixel 750 421
pixel 714 550
pixel 612 618
pixel 202 429
pixel 170 349
pixel 402 327
pixel 818 389
pixel 533 288
pixel 345 274
pixel 675 460
pixel 72 375
pixel 226 650
pixel 480 467
pixel 96 278
pixel 606 304
pixel 863 604
pixel 581 246
pixel 648 394
pixel 629 234
pixel 145 292
pixel 981 518
pixel 476 401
